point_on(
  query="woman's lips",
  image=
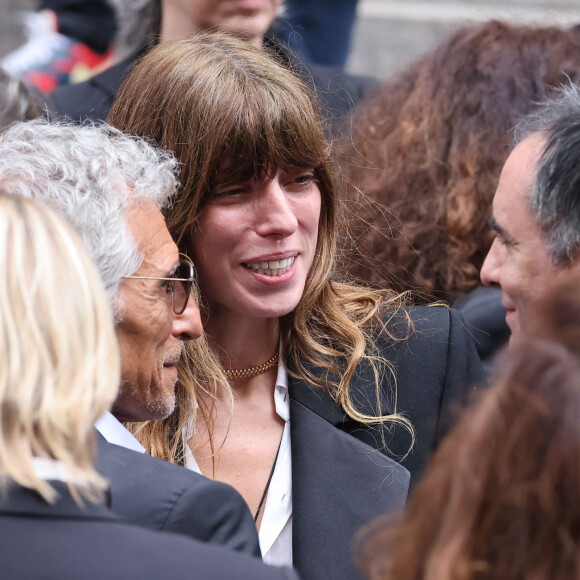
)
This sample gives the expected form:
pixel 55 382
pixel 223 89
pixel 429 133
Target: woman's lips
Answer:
pixel 273 272
pixel 272 268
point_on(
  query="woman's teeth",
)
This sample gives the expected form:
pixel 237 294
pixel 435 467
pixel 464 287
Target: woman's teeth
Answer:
pixel 274 268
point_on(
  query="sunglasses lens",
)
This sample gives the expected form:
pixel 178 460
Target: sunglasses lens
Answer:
pixel 182 289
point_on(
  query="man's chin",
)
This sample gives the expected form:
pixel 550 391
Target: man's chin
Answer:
pixel 138 411
pixel 162 407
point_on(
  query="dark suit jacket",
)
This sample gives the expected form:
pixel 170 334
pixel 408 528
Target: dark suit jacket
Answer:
pixel 93 99
pixel 165 497
pixel 63 542
pixel 340 478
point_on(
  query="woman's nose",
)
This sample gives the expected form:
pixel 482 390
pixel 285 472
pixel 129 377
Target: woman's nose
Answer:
pixel 274 209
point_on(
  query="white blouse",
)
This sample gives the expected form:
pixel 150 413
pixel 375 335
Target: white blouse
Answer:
pixel 275 533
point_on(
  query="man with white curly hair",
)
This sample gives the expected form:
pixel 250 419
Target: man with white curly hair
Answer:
pixel 112 188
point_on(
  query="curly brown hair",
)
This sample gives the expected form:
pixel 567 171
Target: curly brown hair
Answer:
pixel 429 145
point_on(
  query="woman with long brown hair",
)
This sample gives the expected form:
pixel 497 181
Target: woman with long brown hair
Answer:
pixel 317 384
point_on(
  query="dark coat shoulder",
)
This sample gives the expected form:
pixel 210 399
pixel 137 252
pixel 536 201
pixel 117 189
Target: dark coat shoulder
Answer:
pixel 66 542
pixel 161 496
pixel 91 99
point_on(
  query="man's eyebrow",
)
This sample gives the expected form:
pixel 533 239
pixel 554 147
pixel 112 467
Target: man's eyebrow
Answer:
pixel 171 271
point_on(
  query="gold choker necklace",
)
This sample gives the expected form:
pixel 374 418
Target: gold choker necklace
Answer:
pixel 253 371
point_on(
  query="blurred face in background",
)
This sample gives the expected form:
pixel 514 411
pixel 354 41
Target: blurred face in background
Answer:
pixel 249 19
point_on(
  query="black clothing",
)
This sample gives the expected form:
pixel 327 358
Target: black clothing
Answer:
pixel 90 21
pixel 65 542
pixel 341 476
pixel 166 497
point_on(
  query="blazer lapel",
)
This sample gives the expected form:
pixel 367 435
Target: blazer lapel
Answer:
pixel 338 484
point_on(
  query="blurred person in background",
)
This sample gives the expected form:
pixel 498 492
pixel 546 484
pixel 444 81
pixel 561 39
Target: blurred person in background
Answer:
pixel 318 31
pixel 18 102
pixel 499 498
pixel 176 19
pixel 68 41
pixel 425 155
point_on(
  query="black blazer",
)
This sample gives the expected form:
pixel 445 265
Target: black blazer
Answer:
pixel 165 497
pixel 63 542
pixel 340 478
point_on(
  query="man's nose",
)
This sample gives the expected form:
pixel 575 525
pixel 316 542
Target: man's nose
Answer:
pixel 187 325
pixel 490 270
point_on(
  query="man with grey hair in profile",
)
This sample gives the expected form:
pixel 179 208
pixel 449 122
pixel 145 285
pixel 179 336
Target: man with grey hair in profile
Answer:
pixel 111 188
pixel 536 209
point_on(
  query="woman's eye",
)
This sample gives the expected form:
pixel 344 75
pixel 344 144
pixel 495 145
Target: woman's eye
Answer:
pixel 233 192
pixel 305 178
pixel 299 176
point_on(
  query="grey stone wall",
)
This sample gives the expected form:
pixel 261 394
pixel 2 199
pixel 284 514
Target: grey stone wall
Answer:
pixel 11 34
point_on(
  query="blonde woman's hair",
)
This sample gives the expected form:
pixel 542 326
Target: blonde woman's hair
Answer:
pixel 229 111
pixel 59 368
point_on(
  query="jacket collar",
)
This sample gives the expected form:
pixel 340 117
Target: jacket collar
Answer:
pixel 338 484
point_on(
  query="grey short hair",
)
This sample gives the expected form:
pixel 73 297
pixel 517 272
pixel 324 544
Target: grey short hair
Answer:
pixel 555 196
pixel 89 174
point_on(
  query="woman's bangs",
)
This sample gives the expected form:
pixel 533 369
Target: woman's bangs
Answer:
pixel 260 144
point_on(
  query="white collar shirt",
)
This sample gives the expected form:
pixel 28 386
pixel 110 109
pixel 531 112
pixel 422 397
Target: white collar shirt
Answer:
pixel 50 469
pixel 275 533
pixel 115 432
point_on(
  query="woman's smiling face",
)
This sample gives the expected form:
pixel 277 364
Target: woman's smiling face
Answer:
pixel 254 243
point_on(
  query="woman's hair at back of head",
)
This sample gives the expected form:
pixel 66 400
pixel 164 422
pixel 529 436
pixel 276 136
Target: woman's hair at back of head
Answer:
pixel 499 499
pixel 60 366
pixel 230 112
pixel 428 146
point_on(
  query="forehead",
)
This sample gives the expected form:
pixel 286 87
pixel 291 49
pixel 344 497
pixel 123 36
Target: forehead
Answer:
pixel 150 232
pixel 512 197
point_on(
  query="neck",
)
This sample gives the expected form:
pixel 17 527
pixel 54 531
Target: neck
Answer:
pixel 243 342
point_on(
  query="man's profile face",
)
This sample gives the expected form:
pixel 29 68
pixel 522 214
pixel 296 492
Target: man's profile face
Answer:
pixel 149 345
pixel 518 261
